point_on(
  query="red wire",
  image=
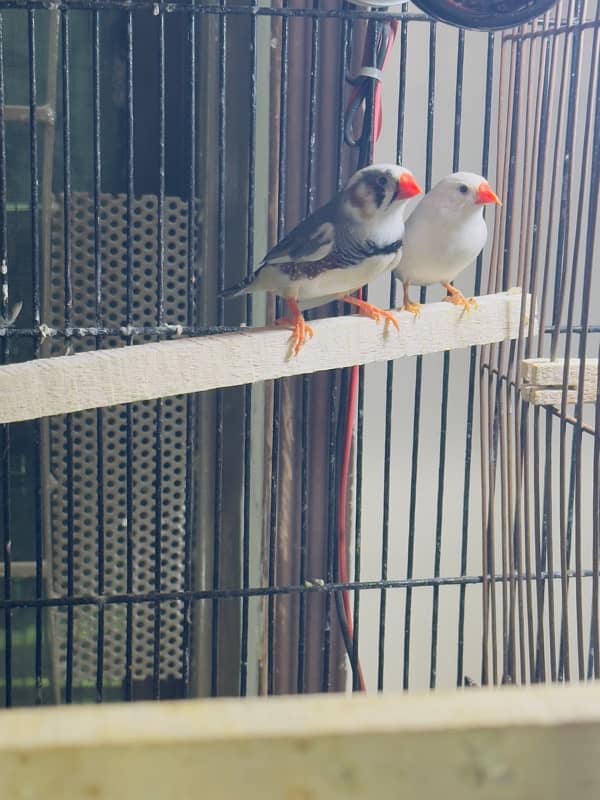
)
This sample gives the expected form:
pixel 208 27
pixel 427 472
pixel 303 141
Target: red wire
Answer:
pixel 353 388
pixel 367 54
pixel 342 539
pixel 377 98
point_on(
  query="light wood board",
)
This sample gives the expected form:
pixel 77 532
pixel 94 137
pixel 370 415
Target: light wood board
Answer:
pixel 521 744
pixel 97 379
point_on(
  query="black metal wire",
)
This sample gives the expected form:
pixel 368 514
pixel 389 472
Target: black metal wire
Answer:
pixel 169 331
pixel 412 512
pixel 219 454
pixel 487 120
pixel 460 57
pixel 97 160
pixel 192 9
pixel 502 389
pixel 68 311
pixel 160 313
pixel 313 587
pixel 274 482
pixel 5 449
pixel 36 314
pixel 248 389
pixel 190 402
pixel 594 652
pixel 129 551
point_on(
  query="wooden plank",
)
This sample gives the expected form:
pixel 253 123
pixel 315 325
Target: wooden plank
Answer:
pixel 524 744
pixel 144 372
pixel 542 381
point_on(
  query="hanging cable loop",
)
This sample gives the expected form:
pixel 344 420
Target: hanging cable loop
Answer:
pixel 367 82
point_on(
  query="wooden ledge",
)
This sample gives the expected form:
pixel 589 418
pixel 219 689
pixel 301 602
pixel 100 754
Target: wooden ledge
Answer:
pixel 522 743
pixel 145 372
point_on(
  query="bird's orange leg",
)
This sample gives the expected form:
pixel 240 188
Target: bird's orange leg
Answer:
pixel 371 311
pixel 407 304
pixel 301 330
pixel 457 298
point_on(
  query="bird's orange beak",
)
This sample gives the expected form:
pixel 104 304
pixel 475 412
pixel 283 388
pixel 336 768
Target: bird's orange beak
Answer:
pixel 407 187
pixel 486 195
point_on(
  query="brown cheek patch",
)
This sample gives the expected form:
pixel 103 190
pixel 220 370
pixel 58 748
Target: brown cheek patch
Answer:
pixel 363 198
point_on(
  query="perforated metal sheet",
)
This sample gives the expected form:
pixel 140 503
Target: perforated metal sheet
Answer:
pixel 103 496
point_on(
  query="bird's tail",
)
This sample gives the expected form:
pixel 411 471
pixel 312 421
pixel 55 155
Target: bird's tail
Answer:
pixel 239 288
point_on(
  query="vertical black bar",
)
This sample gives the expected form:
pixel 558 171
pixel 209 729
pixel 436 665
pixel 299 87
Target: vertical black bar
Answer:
pixel 565 194
pixel 160 315
pixel 418 377
pixel 389 392
pixel 335 403
pixel 218 499
pixel 190 401
pixel 305 422
pixel 129 320
pixel 282 184
pixel 402 91
pixel 37 310
pixel 339 390
pixel 547 541
pixel 68 321
pixel 487 124
pixel 273 537
pixel 460 58
pixel 540 656
pixel 304 503
pixel 506 403
pixel 97 159
pixel 574 502
pixel 5 520
pixel 360 425
pixel 387 455
pixel 365 157
pixel 592 113
pixel 248 389
pixel 595 616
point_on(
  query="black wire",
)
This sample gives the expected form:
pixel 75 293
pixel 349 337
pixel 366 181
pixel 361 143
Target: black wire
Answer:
pixel 378 35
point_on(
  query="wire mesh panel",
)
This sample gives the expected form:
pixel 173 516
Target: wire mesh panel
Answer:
pixel 540 487
pixel 399 526
pixel 74 543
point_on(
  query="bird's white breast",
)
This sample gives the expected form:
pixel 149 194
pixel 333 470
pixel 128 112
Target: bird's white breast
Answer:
pixel 438 250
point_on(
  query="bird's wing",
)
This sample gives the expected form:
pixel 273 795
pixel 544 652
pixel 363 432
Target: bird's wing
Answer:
pixel 311 240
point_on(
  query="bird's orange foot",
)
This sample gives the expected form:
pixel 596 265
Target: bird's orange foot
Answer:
pixel 301 331
pixel 413 308
pixel 371 311
pixel 457 298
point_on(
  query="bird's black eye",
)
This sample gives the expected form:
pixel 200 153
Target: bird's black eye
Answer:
pixel 463 188
pixel 382 180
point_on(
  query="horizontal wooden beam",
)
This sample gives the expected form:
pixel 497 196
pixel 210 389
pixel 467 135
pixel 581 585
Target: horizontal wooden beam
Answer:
pixel 476 744
pixel 145 372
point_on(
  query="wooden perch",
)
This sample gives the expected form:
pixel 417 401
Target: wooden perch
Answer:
pixel 477 744
pixel 145 372
pixel 543 379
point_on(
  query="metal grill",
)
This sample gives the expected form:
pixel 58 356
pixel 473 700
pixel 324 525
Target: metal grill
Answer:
pixel 192 540
pixel 90 490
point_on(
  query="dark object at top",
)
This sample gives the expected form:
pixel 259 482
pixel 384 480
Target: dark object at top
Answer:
pixel 486 15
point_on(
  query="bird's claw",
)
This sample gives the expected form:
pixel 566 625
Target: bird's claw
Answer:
pixel 413 308
pixel 301 331
pixel 458 299
pixel 373 312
